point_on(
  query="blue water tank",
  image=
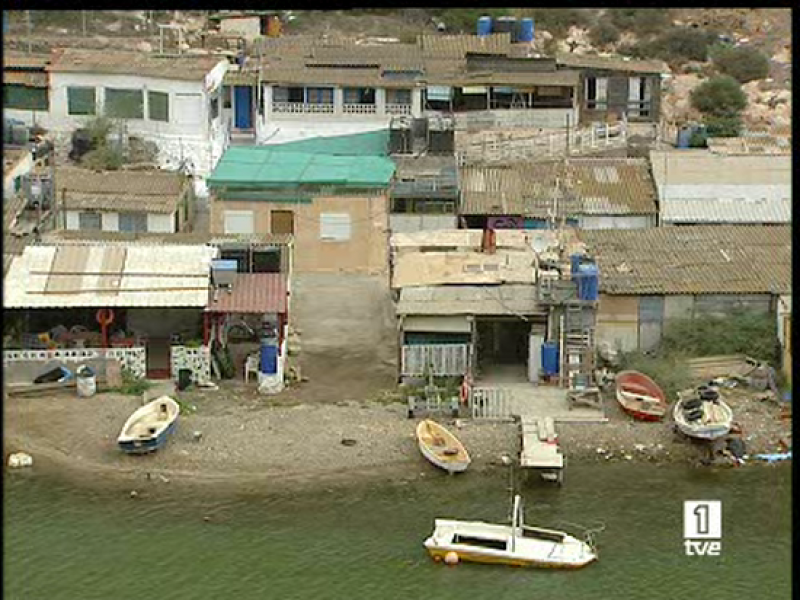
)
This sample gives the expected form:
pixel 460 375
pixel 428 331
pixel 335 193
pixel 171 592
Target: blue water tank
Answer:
pixel 588 284
pixel 550 358
pixel 574 263
pixel 484 26
pixel 526 30
pixel 269 359
pixel 684 135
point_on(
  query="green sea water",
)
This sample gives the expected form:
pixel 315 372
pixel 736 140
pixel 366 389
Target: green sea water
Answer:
pixel 64 542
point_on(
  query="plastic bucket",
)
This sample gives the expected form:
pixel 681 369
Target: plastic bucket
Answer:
pixel 86 381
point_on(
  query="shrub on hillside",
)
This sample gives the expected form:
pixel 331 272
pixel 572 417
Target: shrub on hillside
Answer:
pixel 557 20
pixel 604 33
pixel 720 96
pixel 723 125
pixel 465 20
pixel 744 64
pixel 681 44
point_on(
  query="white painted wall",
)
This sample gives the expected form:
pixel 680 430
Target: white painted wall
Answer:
pixel 187 136
pixel 156 222
pixel 279 132
pixel 249 27
pixel 616 221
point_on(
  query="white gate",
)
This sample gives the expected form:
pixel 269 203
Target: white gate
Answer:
pixel 492 403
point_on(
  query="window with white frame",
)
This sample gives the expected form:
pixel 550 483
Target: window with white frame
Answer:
pixel 90 221
pixel 238 221
pixel 81 101
pixel 596 93
pixel 133 221
pixel 334 227
pixel 639 97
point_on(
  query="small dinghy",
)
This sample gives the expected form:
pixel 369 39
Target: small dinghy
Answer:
pixel 703 414
pixel 640 396
pixel 517 545
pixel 148 428
pixel 441 447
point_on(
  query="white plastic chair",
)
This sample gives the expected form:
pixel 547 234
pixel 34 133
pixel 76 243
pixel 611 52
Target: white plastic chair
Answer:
pixel 250 366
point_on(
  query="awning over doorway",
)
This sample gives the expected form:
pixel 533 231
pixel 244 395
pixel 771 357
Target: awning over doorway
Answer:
pixel 439 324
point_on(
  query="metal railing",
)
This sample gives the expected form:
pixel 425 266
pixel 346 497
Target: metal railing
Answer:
pixel 301 108
pixel 434 359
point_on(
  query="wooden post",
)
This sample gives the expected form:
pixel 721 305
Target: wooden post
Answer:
pixel 206 328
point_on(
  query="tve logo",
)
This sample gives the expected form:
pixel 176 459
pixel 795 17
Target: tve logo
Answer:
pixel 702 527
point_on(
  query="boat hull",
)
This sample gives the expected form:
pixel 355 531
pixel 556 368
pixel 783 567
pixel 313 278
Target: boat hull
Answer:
pixel 456 463
pixel 146 446
pixel 639 415
pixel 707 431
pixel 632 388
pixel 439 553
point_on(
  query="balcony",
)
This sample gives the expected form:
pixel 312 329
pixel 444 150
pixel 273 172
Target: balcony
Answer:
pixel 301 108
pixel 359 109
pixel 398 109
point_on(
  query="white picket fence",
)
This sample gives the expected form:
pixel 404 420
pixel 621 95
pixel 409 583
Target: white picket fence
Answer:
pixel 492 403
pixel 132 359
pixel 435 359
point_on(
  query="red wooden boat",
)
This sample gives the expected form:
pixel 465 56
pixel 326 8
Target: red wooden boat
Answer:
pixel 640 396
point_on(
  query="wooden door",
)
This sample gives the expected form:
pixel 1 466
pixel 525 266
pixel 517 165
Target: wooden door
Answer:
pixel 282 221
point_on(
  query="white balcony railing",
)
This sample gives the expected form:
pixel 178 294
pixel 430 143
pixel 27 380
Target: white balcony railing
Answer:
pixel 301 108
pixel 359 109
pixel 398 109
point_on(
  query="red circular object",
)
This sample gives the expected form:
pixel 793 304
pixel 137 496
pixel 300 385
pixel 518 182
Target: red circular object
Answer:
pixel 105 316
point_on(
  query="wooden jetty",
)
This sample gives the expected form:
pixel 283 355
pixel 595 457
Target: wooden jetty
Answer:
pixel 540 449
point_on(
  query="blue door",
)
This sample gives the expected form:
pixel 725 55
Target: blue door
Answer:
pixel 243 106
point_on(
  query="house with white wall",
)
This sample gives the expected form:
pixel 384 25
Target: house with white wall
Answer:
pixel 132 201
pixel 172 101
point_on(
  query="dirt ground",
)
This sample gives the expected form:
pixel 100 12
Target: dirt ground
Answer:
pixel 237 440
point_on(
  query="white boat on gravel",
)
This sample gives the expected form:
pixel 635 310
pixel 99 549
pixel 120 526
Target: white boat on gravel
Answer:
pixel 148 428
pixel 516 545
pixel 703 414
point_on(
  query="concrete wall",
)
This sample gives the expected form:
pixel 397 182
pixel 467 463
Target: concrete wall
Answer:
pixel 156 222
pixel 618 322
pixel 404 223
pixel 616 221
pixel 365 253
pixel 248 27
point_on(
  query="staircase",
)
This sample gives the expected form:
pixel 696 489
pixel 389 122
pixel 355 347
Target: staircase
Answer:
pixel 578 338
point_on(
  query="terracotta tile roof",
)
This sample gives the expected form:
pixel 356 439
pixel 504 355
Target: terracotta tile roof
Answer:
pixel 148 191
pixel 187 66
pixel 599 186
pixel 699 259
pixel 251 293
pixel 458 45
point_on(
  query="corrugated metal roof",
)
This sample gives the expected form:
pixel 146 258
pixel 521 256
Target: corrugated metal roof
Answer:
pixel 701 167
pixel 124 237
pixel 751 145
pixel 591 186
pixel 563 78
pixel 269 166
pixel 722 210
pixel 148 191
pixel 700 259
pixel 468 239
pixel 185 66
pixel 437 45
pixel 505 299
pixel 370 143
pixel 616 63
pixel 251 293
pixel 81 275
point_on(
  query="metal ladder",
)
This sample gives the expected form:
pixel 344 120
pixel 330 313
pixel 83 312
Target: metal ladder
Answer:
pixel 579 334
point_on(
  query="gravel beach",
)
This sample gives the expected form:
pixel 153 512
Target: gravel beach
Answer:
pixel 235 439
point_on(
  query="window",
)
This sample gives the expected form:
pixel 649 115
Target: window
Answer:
pixel 281 221
pixel 90 221
pixel 133 221
pixel 81 101
pixel 213 108
pixel 359 95
pixel 25 98
pixel 596 98
pixel 638 97
pixel 319 95
pixel 158 106
pixel 334 227
pixel 292 94
pixel 238 221
pixel 398 96
pixel 124 104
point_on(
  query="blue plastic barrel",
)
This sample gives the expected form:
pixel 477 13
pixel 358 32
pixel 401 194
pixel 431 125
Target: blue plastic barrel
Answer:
pixel 684 135
pixel 588 284
pixel 574 263
pixel 269 359
pixel 484 26
pixel 526 30
pixel 550 358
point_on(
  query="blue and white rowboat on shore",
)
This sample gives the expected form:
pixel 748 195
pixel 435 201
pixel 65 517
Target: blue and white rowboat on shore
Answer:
pixel 148 428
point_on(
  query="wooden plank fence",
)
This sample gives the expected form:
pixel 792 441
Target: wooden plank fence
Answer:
pixel 435 359
pixel 492 403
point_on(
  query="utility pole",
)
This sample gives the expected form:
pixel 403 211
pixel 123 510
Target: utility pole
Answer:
pixel 30 31
pixel 566 152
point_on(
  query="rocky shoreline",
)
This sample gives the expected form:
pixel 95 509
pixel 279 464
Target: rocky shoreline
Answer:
pixel 239 441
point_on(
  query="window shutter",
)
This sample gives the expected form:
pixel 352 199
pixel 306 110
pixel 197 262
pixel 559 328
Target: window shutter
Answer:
pixel 334 227
pixel 239 221
pixel 158 106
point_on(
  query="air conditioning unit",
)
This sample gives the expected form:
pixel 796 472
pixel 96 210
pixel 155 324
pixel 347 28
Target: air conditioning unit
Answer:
pixel 223 272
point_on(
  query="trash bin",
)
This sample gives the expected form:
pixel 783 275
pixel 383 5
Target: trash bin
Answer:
pixel 86 381
pixel 184 379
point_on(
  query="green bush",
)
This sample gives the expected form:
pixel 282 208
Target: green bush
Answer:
pixel 641 21
pixel 103 158
pixel 699 139
pixel 557 20
pixel 720 96
pixel 742 332
pixel 680 44
pixel 465 20
pixel 743 64
pixel 604 33
pixel 723 125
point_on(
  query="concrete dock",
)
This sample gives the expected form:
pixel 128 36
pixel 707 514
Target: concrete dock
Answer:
pixel 540 447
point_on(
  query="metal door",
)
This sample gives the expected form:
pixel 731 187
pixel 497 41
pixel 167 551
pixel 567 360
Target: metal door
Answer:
pixel 651 320
pixel 243 106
